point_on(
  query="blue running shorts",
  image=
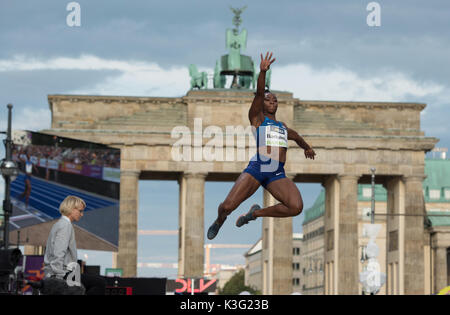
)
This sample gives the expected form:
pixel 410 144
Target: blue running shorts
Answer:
pixel 265 172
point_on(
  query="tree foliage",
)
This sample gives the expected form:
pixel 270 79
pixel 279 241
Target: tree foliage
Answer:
pixel 236 285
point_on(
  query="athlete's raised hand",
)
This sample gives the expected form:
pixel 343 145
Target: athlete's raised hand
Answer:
pixel 310 154
pixel 266 62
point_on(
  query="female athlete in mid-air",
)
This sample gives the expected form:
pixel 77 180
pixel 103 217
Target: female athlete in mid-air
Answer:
pixel 267 167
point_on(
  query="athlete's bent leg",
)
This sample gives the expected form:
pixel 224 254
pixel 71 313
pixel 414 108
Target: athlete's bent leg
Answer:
pixel 27 193
pixel 285 191
pixel 244 187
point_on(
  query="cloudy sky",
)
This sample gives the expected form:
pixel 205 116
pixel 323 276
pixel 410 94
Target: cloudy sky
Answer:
pixel 325 50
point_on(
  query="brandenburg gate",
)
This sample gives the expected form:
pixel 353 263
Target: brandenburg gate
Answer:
pixel 349 138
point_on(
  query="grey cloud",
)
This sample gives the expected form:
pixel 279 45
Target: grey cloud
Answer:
pixel 174 32
pixel 31 87
pixel 177 33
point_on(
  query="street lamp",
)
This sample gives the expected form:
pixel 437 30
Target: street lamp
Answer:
pixel 372 211
pixel 313 260
pixel 316 278
pixel 363 254
pixel 9 170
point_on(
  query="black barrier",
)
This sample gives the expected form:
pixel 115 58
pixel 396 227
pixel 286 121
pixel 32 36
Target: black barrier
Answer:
pixel 9 259
pixel 135 286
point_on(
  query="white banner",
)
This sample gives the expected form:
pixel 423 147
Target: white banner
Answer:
pixel 52 164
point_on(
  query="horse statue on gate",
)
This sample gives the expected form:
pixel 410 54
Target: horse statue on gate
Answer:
pixel 198 79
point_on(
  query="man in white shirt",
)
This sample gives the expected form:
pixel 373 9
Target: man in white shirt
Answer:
pixel 61 248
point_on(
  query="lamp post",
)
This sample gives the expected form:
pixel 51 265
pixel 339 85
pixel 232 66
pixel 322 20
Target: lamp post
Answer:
pixel 371 278
pixel 315 283
pixel 9 171
pixel 372 212
pixel 363 254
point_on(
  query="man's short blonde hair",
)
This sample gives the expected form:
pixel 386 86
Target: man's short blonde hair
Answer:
pixel 71 203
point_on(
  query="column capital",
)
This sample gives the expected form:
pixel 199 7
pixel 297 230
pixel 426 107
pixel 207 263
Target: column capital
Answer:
pixel 389 180
pixel 348 177
pixel 328 179
pixel 291 175
pixel 439 246
pixel 193 174
pixel 414 178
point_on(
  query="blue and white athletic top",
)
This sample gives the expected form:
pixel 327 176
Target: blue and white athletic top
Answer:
pixel 28 167
pixel 271 133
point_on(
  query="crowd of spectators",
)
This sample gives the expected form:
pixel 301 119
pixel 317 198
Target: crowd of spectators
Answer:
pixel 79 156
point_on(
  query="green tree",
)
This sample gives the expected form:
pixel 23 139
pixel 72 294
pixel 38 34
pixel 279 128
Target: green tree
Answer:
pixel 236 285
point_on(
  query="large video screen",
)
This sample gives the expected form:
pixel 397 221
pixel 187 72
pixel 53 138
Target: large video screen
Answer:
pixel 51 168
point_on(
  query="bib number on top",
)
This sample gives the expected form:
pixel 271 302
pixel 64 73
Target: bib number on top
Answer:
pixel 276 136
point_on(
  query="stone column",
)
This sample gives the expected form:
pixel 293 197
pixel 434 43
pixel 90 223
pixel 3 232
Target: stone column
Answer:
pixel 395 226
pixel 331 237
pixel 267 246
pixel 277 251
pixel 128 222
pixel 347 257
pixel 191 231
pixel 440 268
pixel 413 236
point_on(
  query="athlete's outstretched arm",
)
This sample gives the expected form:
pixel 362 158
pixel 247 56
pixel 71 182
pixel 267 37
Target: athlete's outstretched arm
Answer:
pixel 255 114
pixel 293 135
